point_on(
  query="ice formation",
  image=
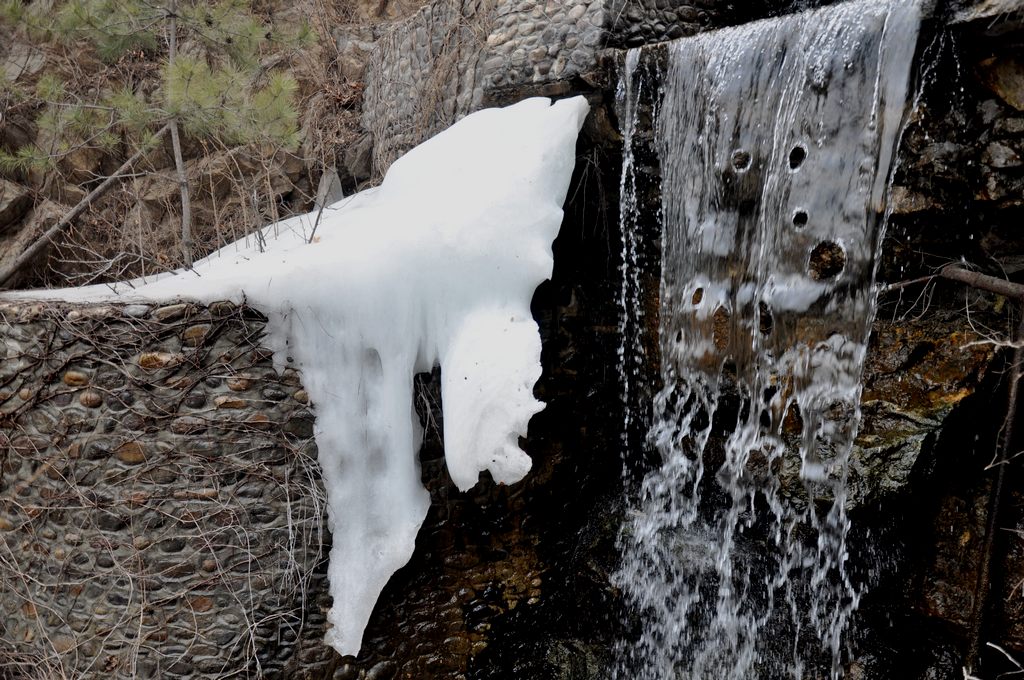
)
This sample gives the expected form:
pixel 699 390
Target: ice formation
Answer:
pixel 438 265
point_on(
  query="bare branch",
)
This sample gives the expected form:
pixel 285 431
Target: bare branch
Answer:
pixel 8 273
pixel 900 285
pixel 983 281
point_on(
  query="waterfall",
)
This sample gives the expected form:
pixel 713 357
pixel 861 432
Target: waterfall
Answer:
pixel 772 144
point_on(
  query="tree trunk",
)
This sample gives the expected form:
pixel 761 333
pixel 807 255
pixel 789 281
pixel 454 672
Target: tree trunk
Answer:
pixel 186 204
pixel 179 161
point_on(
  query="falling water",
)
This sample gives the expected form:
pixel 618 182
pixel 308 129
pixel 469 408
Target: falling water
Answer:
pixel 773 143
pixel 631 353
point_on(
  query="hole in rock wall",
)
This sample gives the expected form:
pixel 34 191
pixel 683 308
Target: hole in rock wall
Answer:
pixel 797 157
pixel 721 332
pixel 828 259
pixel 740 159
pixel 765 322
pixel 800 219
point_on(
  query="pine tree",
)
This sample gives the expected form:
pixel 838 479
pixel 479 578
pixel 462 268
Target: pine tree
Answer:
pixel 212 83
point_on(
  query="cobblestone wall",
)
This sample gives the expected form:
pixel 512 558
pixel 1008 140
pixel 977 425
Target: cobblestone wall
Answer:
pixel 423 75
pixel 635 22
pixel 431 69
pixel 160 503
pixel 535 41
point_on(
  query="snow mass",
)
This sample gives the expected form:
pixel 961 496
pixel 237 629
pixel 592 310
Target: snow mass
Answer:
pixel 437 265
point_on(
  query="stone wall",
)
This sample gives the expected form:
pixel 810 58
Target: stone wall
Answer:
pixel 423 75
pixel 430 69
pixel 160 503
pixel 637 22
pixel 536 42
pixel 641 22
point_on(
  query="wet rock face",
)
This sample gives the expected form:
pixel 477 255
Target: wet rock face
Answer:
pixel 1010 611
pixel 948 592
pixel 957 197
pixel 917 372
pixel 958 187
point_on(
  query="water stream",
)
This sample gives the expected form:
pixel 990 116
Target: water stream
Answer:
pixel 772 144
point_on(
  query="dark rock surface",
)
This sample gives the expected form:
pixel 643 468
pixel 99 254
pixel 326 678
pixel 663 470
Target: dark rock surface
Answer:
pixel 15 200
